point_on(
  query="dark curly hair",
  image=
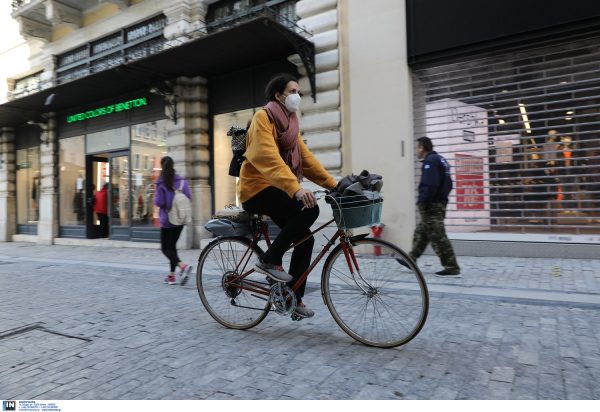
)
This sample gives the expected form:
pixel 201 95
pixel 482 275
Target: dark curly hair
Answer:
pixel 277 85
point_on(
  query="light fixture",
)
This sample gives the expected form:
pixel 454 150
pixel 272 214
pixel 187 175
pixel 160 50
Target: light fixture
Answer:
pixel 525 118
pixel 501 121
pixel 504 91
pixel 568 118
pixel 491 105
pixel 570 112
pixel 564 82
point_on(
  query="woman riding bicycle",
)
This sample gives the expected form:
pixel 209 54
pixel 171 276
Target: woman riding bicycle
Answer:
pixel 276 162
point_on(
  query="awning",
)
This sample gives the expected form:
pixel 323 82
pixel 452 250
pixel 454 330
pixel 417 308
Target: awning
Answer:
pixel 258 41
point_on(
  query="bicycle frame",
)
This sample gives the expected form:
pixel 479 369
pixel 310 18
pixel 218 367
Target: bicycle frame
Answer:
pixel 263 231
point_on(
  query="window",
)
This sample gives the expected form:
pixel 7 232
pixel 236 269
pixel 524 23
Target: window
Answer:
pixel 521 133
pixel 108 140
pixel 225 185
pixel 147 171
pixel 72 179
pixel 28 185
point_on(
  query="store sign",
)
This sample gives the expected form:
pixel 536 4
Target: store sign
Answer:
pixel 25 165
pixel 469 183
pixel 103 111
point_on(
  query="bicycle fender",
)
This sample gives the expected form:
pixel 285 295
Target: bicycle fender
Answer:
pixel 329 257
pixel 217 239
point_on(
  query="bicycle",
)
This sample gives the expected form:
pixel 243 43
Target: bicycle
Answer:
pixel 374 290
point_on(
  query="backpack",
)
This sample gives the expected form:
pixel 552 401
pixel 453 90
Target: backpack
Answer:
pixel 181 208
pixel 238 147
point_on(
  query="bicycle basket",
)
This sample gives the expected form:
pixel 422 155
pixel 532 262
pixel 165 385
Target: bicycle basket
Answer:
pixel 352 212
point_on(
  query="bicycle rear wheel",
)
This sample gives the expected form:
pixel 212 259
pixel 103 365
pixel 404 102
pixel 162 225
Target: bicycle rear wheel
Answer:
pixel 231 306
pixel 385 304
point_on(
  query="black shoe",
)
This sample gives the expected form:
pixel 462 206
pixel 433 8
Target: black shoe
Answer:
pixel 445 274
pixel 403 263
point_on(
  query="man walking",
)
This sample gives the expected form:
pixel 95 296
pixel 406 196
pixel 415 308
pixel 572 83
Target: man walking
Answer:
pixel 434 188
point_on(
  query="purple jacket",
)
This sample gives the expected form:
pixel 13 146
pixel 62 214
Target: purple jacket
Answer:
pixel 163 198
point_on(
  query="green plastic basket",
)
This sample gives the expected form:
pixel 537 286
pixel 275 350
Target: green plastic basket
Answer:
pixel 352 212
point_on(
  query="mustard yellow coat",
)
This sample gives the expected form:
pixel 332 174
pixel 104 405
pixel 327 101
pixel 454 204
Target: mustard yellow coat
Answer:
pixel 265 167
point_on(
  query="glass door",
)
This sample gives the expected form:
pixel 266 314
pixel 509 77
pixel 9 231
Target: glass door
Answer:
pixel 119 199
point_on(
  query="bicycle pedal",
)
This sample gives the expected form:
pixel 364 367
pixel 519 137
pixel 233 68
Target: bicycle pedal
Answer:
pixel 296 318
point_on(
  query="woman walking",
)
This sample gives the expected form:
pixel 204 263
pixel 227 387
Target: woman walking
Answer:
pixel 276 162
pixel 169 233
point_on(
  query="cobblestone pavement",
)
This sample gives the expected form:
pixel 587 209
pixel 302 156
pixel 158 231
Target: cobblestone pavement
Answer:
pixel 98 323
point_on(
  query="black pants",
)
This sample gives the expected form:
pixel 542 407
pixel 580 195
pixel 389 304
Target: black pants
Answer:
pixel 168 242
pixel 295 224
pixel 103 224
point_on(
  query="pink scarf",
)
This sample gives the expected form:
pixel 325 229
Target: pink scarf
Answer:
pixel 288 128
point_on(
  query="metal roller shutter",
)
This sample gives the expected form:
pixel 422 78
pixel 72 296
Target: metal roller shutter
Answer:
pixel 521 132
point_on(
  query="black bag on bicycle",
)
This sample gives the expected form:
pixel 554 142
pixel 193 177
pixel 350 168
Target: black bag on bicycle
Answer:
pixel 238 146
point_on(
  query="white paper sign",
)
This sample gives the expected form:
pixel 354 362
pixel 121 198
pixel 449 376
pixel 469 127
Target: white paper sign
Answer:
pixel 79 184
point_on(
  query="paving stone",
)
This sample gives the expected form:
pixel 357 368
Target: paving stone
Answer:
pixel 472 347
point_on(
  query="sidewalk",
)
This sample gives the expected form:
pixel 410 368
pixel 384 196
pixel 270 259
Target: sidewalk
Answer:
pixel 98 323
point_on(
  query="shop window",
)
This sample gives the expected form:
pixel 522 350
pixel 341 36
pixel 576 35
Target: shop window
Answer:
pixel 146 156
pixel 225 185
pixel 72 196
pixel 108 140
pixel 28 185
pixel 522 137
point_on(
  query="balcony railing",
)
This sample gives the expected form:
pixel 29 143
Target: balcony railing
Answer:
pixel 17 4
pixel 26 85
pixel 83 65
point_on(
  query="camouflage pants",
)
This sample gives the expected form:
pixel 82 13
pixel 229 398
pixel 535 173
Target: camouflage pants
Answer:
pixel 431 230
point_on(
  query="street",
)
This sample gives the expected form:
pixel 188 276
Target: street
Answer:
pixel 98 323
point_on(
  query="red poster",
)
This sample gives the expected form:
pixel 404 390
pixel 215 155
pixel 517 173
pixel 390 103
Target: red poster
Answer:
pixel 469 182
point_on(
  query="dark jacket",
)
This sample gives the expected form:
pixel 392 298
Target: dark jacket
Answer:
pixel 436 182
pixel 163 198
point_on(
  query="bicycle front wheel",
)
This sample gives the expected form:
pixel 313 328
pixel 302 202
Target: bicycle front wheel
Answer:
pixel 385 302
pixel 232 306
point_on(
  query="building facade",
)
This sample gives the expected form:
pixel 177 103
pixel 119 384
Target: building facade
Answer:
pixel 99 91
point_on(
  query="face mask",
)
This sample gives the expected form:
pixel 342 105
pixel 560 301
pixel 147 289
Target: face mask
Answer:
pixel 292 102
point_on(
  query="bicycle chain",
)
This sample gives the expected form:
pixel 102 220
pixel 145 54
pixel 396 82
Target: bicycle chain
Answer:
pixel 247 307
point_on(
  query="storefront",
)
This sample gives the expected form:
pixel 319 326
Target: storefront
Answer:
pixel 118 141
pixel 119 103
pixel 519 125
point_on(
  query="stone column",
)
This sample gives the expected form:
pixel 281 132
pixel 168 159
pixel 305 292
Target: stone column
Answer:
pixel 49 62
pixel 187 144
pixel 321 121
pixel 48 224
pixel 184 16
pixel 8 202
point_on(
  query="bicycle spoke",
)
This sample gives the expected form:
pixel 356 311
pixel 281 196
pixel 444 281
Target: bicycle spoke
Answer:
pixel 230 305
pixel 394 306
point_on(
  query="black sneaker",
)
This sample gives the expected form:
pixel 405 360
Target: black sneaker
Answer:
pixel 273 271
pixel 445 274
